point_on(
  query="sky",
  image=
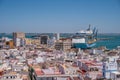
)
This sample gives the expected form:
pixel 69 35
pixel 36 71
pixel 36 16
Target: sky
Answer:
pixel 61 16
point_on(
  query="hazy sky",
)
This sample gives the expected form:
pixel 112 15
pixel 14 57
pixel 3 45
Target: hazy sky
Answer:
pixel 59 15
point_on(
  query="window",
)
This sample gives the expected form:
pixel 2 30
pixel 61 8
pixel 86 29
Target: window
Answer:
pixel 96 69
pixel 106 67
pixel 118 76
pixel 7 77
pixel 11 77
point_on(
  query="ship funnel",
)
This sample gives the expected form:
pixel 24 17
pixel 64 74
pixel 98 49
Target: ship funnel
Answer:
pixel 89 28
pixel 96 33
pixel 94 30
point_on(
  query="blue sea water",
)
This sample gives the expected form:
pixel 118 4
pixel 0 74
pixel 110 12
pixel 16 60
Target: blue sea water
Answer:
pixel 111 41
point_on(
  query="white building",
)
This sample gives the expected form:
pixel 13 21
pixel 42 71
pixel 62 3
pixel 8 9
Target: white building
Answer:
pixel 110 66
pixel 115 75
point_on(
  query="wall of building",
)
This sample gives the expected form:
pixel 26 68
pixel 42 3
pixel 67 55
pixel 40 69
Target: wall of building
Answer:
pixel 17 38
pixel 110 66
pixel 63 45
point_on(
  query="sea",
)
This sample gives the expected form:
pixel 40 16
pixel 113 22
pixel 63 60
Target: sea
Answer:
pixel 109 40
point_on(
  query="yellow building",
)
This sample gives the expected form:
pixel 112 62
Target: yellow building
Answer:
pixel 32 41
pixel 10 44
pixel 35 41
pixel 27 41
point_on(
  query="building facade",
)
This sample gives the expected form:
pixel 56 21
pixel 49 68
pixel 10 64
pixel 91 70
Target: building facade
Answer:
pixel 18 38
pixel 63 45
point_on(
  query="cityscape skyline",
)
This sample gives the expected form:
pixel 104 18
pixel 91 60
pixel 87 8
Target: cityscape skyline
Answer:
pixel 59 39
pixel 63 16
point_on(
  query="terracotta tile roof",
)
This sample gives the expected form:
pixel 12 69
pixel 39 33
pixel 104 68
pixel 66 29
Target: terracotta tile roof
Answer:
pixel 38 71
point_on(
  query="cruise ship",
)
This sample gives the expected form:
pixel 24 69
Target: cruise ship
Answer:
pixel 85 38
